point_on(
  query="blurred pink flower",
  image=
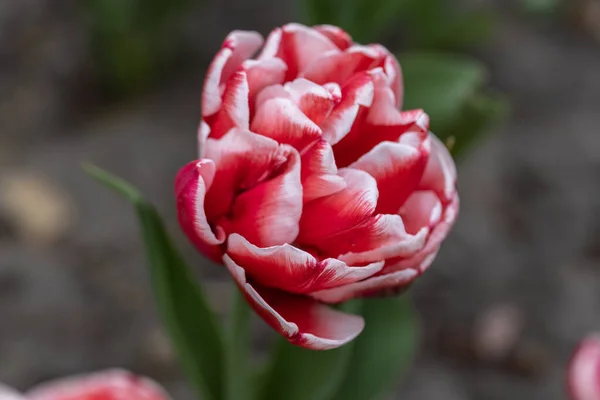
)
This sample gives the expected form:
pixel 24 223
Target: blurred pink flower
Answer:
pixel 312 186
pixel 106 385
pixel 583 376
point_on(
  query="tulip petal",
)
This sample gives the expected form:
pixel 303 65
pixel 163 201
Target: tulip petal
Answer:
pixel 392 71
pixel 282 120
pixel 337 35
pixel 7 393
pixel 191 184
pixel 291 269
pixel 422 209
pixel 106 385
pixel 397 168
pixel 243 160
pixel 583 376
pixel 203 134
pixel 268 213
pixel 357 92
pixel 234 111
pixel 237 47
pixel 315 101
pixel 263 73
pixel 301 45
pixel 338 67
pixel 319 173
pixel 440 173
pixel 301 320
pixel 332 215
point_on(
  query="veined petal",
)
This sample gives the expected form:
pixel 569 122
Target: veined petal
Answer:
pixel 337 35
pixel 106 385
pixel 191 184
pixel 440 173
pixel 319 173
pixel 583 376
pixel 237 47
pixel 332 215
pixel 281 120
pixel 268 213
pixel 293 270
pixel 397 168
pixel 301 320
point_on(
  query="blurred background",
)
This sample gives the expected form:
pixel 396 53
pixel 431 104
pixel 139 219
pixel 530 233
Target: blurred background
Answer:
pixel 118 82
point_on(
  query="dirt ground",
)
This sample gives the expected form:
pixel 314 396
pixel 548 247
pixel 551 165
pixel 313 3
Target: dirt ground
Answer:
pixel 523 259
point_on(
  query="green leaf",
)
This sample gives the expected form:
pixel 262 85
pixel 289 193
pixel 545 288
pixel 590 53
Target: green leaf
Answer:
pixel 300 374
pixel 184 310
pixel 383 351
pixel 238 341
pixel 440 83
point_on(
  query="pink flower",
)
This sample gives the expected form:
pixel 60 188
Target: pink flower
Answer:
pixel 106 385
pixel 312 187
pixel 583 376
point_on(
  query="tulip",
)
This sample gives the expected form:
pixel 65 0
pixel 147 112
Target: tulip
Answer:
pixel 312 187
pixel 583 376
pixel 106 385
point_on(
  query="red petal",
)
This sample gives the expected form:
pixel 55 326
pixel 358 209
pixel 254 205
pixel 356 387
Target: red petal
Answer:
pixel 301 45
pixel 357 92
pixel 191 185
pixel 282 120
pixel 107 385
pixel 337 35
pixel 263 73
pixel 237 47
pixel 268 214
pixel 319 173
pixel 392 71
pixel 423 209
pixel 337 66
pixel 272 44
pixel 583 376
pixel 301 320
pixel 331 215
pixel 243 160
pixel 315 101
pixel 440 173
pixel 397 168
pixel 378 238
pixel 234 111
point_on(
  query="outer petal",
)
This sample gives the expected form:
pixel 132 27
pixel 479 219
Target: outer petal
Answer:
pixel 7 393
pixel 440 173
pixel 337 35
pixel 268 214
pixel 319 173
pixel 301 320
pixel 107 385
pixel 293 270
pixel 397 168
pixel 191 185
pixel 237 47
pixel 393 73
pixel 332 215
pixel 282 120
pixel 583 376
pixel 234 111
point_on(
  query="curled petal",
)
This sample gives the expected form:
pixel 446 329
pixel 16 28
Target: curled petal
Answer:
pixel 263 73
pixel 300 319
pixel 243 160
pixel 421 209
pixel 107 385
pixel 203 133
pixel 300 46
pixel 272 44
pixel 319 173
pixel 268 213
pixel 336 66
pixel 440 173
pixel 397 168
pixel 235 111
pixel 282 120
pixel 291 269
pixel 315 101
pixel 332 215
pixel 583 376
pixel 337 35
pixel 357 92
pixel 237 47
pixel 191 184
pixel 393 73
pixel 378 238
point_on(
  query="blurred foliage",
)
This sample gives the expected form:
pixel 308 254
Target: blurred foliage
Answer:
pixel 425 24
pixel 133 41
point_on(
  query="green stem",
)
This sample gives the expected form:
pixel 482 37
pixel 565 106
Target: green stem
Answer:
pixel 237 349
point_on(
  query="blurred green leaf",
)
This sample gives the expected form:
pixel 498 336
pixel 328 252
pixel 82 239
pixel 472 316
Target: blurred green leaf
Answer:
pixel 181 303
pixel 238 371
pixel 383 350
pixel 303 374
